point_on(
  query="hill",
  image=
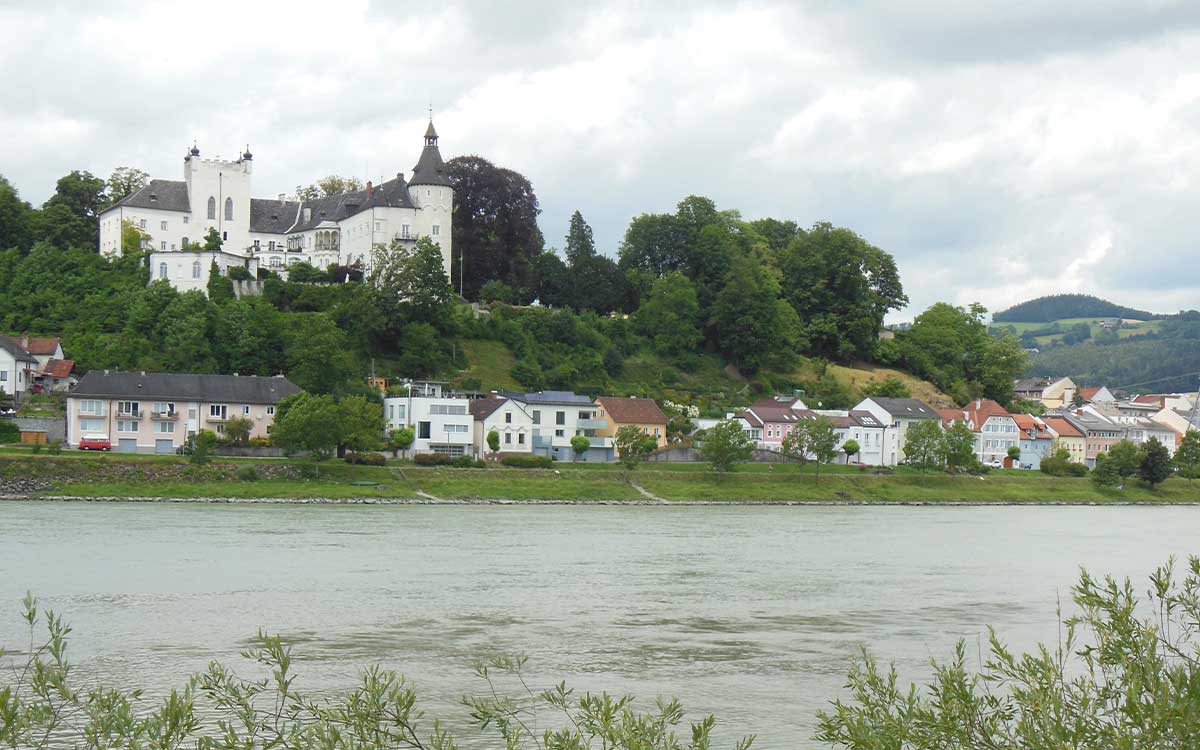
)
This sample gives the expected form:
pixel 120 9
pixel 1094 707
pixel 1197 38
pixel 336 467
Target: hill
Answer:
pixel 1060 306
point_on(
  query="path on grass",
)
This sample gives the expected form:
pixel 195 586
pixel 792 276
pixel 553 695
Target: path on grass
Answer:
pixel 645 492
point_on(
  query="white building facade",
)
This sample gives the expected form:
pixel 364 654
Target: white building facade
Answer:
pixel 441 423
pixel 346 229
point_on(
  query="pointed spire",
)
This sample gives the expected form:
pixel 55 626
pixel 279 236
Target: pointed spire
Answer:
pixel 431 135
pixel 195 150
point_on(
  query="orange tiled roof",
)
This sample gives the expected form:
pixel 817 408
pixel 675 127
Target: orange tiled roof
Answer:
pixel 59 368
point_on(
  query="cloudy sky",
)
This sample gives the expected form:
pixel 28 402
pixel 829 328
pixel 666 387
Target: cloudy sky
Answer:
pixel 999 151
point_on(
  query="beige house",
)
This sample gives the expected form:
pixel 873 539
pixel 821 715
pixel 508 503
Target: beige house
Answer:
pixel 1053 393
pixel 139 412
pixel 1068 436
pixel 642 413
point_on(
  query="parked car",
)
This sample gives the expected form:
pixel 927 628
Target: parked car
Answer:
pixel 95 443
pixel 995 464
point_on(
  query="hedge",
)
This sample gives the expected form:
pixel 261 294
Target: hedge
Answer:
pixel 528 462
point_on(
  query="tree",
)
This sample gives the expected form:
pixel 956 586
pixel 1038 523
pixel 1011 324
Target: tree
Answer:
pixel 402 439
pixel 360 424
pixel 1014 453
pixel 212 241
pixel 923 444
pixel 579 446
pixel 133 240
pixel 951 347
pixel 220 287
pixel 237 430
pixel 307 422
pixel 306 273
pixel 1187 456
pixel 423 351
pixel 958 447
pixel 851 448
pixel 633 446
pixel 551 281
pixel 889 387
pixel 580 243
pixel 493 441
pixel 122 183
pixel 670 316
pixel 752 325
pixel 316 352
pixel 1126 457
pixel 498 291
pixel 725 445
pixel 495 225
pixel 411 282
pixel 199 445
pixel 76 204
pixel 822 441
pixel 841 287
pixel 795 443
pixel 1155 466
pixel 15 215
pixel 1106 474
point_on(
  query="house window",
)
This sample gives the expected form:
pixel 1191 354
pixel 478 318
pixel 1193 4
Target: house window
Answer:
pixel 423 430
pixel 162 225
pixel 521 438
pixel 456 428
pixel 164 428
pixel 270 411
pixel 256 244
pixel 185 220
pixel 537 416
pixel 246 410
pixel 508 417
pixel 164 408
pixel 163 245
pixel 126 426
pixel 558 433
pixel 378 225
pixel 91 425
pixel 508 438
pixel 448 409
pixel 185 243
pixel 195 269
pixel 3 376
pixel 130 408
pixel 162 270
pixel 212 207
pixel 85 407
pixel 560 417
pixel 405 232
pixel 217 411
pixel 437 229
pixel 229 209
pixel 141 223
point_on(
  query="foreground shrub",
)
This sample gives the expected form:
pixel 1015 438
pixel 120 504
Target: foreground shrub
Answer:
pixel 9 432
pixel 466 462
pixel 40 707
pixel 432 459
pixel 366 459
pixel 1125 674
pixel 528 462
pixel 247 474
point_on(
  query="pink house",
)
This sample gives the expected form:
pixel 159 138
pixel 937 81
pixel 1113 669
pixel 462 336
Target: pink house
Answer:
pixel 770 420
pixel 139 412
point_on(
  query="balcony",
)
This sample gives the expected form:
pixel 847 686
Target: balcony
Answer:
pixel 592 424
pixel 217 418
pixel 600 442
pixel 164 416
pixel 138 414
pixel 542 442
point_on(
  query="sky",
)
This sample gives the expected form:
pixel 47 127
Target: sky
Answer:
pixel 999 150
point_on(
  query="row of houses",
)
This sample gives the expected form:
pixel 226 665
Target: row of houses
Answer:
pixel 32 365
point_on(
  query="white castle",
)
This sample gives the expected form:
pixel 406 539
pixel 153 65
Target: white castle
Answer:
pixel 276 233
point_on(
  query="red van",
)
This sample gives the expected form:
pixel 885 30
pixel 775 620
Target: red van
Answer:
pixel 94 443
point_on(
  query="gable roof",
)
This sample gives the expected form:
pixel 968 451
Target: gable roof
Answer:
pixel 165 195
pixel 633 410
pixel 43 346
pixel 390 194
pixel 246 389
pixel 482 408
pixel 273 216
pixel 1062 427
pixel 13 347
pixel 59 368
pixel 1032 385
pixel 909 408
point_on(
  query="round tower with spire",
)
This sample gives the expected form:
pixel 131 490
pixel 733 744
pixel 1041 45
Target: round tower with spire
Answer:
pixel 433 195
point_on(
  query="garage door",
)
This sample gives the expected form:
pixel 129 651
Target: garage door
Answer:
pixel 127 445
pixel 164 446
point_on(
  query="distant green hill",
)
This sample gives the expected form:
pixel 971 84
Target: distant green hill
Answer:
pixel 1059 306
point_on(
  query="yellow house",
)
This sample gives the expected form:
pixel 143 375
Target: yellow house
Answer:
pixel 1069 437
pixel 642 413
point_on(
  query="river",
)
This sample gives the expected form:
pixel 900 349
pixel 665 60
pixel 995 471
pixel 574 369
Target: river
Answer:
pixel 750 613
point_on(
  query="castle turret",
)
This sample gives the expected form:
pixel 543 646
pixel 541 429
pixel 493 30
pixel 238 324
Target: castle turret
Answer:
pixel 433 195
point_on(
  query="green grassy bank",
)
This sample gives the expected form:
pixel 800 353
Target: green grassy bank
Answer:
pixel 108 476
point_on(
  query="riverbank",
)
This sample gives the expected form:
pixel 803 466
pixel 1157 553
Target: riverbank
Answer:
pixel 171 479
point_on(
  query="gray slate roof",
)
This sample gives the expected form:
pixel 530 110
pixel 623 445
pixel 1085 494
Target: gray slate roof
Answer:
pixel 430 169
pixel 13 347
pixel 390 194
pixel 910 408
pixel 246 389
pixel 272 216
pixel 165 195
pixel 549 397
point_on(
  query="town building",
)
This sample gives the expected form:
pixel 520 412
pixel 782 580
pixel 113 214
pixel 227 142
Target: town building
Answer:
pixel 871 433
pixel 995 429
pixel 17 366
pixel 899 414
pixel 1096 394
pixel 642 413
pixel 441 421
pixel 769 421
pixel 216 194
pixel 140 412
pixel 1036 440
pixel 509 419
pixel 1053 393
pixel 1100 432
pixel 558 416
pixel 1067 437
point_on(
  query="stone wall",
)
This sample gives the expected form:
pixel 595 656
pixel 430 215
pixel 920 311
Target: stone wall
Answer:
pixel 54 427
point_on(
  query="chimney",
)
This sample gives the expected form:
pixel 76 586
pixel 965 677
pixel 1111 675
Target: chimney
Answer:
pixel 370 190
pixel 400 176
pixel 283 197
pixel 25 341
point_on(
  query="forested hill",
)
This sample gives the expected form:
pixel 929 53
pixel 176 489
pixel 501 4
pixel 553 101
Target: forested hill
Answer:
pixel 1059 306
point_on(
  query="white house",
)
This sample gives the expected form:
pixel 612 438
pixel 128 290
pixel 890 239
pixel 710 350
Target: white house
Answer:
pixel 187 271
pixel 510 419
pixel 995 429
pixel 345 229
pixel 441 423
pixel 871 433
pixel 16 367
pixel 899 414
pixel 558 416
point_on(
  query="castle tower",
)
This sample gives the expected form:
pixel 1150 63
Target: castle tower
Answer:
pixel 433 194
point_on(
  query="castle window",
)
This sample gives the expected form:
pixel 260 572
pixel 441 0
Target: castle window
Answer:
pixel 212 207
pixel 195 269
pixel 141 223
pixel 185 219
pixel 437 229
pixel 164 245
pixel 162 270
pixel 163 225
pixel 229 209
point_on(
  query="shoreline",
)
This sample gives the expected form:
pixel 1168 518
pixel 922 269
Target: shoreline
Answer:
pixel 480 501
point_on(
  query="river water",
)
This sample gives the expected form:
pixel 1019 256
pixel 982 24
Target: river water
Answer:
pixel 750 613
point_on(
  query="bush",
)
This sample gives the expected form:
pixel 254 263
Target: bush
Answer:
pixel 37 448
pixel 9 432
pixel 528 462
pixel 309 471
pixel 365 459
pixel 54 448
pixel 247 474
pixel 466 462
pixel 432 459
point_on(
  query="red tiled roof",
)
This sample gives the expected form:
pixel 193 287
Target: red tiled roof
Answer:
pixel 1062 427
pixel 59 368
pixel 1088 393
pixel 39 346
pixel 632 410
pixel 1148 400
